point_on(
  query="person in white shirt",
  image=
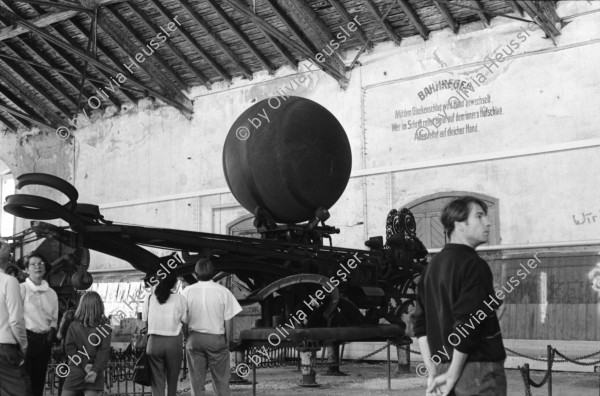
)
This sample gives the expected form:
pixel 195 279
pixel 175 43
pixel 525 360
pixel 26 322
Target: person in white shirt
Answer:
pixel 40 303
pixel 166 313
pixel 14 380
pixel 211 308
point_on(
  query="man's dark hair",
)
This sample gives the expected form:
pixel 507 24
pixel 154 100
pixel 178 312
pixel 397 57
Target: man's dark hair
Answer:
pixel 458 210
pixel 204 270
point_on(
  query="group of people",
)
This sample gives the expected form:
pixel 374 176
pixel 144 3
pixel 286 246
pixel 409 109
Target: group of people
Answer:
pixel 28 323
pixel 200 317
pixel 204 313
pixel 452 292
pixel 28 328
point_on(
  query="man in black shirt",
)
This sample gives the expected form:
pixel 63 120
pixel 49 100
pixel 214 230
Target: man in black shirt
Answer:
pixel 455 321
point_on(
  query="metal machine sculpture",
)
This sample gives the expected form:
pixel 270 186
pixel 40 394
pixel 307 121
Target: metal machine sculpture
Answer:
pixel 288 164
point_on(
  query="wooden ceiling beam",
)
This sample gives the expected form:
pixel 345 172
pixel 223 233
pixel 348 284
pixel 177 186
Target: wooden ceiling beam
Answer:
pixel 39 74
pixel 53 66
pixel 178 54
pixel 341 10
pixel 45 20
pixel 8 124
pixel 537 15
pixel 18 102
pixel 75 66
pixel 191 41
pixel 299 36
pixel 285 54
pixel 155 57
pixel 220 43
pixel 24 116
pixel 387 26
pixel 515 7
pixel 66 37
pixel 443 8
pixel 174 98
pixel 104 51
pixel 414 18
pixel 482 15
pixel 240 35
pixel 32 101
pixel 37 88
pixel 285 39
pixel 316 31
pixel 182 102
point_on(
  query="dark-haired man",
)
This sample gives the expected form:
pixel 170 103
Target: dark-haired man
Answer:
pixel 455 321
pixel 14 380
pixel 211 308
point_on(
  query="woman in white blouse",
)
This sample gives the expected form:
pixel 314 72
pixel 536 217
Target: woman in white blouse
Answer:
pixel 167 315
pixel 40 304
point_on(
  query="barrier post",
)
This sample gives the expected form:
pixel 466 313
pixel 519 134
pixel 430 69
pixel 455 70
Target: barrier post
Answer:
pixel 389 367
pixel 550 358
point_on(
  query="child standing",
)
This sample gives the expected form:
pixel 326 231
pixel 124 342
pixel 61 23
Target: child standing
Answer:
pixel 88 347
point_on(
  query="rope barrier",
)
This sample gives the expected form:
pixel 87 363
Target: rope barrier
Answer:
pixel 528 382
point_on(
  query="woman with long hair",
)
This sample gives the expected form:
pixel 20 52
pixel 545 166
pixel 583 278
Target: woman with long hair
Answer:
pixel 166 313
pixel 88 347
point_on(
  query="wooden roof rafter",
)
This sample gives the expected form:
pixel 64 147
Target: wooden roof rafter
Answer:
pixel 443 8
pixel 240 35
pixel 192 42
pixel 40 75
pixel 152 27
pixel 285 54
pixel 20 116
pixel 414 18
pixel 387 26
pixel 16 101
pixel 341 10
pixel 50 65
pixel 182 104
pixel 41 108
pixel 296 34
pixel 34 86
pixel 339 76
pixel 46 20
pixel 8 124
pixel 547 25
pixel 218 41
pixel 515 7
pixel 316 31
pixel 154 71
pixel 482 15
pixel 40 55
pixel 105 52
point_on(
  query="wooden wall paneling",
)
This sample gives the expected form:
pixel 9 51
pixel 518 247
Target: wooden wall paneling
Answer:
pixel 559 321
pixel 528 321
pixel 568 328
pixel 581 322
pixel 597 310
pixel 521 319
pixel 551 322
pixel 590 322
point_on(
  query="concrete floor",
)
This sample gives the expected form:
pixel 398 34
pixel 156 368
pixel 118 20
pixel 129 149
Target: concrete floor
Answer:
pixel 370 379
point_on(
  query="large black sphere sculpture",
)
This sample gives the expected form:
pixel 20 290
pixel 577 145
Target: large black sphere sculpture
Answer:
pixel 288 155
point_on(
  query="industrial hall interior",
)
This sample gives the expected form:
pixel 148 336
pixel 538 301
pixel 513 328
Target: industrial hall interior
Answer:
pixel 299 197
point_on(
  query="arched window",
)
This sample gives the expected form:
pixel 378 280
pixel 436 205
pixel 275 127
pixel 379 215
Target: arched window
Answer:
pixel 7 187
pixel 428 212
pixel 243 226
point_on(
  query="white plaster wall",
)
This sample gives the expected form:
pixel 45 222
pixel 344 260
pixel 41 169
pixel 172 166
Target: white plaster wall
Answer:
pixel 35 151
pixel 128 162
